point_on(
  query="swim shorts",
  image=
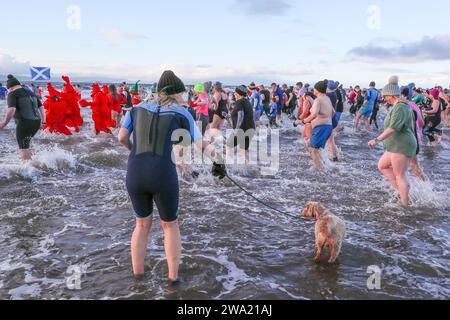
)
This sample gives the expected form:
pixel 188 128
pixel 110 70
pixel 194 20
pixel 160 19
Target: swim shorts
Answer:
pixel 144 188
pixel 366 111
pixel 336 119
pixel 25 131
pixel 320 136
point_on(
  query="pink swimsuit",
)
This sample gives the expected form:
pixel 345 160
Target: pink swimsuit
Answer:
pixel 203 110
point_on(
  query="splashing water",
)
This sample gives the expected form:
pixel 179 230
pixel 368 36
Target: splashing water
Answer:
pixel 69 207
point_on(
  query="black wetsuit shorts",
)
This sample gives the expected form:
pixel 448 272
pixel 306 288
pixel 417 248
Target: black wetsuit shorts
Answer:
pixel 25 131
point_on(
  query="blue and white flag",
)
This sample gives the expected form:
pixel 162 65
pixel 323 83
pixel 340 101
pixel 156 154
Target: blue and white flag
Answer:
pixel 40 74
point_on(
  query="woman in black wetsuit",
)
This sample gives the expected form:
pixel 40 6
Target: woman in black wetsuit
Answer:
pixel 151 176
pixel 433 117
pixel 26 108
pixel 220 101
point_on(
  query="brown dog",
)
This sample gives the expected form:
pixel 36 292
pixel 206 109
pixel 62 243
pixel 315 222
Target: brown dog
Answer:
pixel 330 230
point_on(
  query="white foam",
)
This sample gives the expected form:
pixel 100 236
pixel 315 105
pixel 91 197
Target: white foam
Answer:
pixel 21 170
pixel 232 278
pixel 278 287
pixel 53 158
pixel 422 193
pixel 25 292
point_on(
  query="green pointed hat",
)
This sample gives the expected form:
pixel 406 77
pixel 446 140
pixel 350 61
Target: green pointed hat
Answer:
pixel 135 88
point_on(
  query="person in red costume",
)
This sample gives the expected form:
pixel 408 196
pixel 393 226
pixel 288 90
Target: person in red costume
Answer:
pixel 115 102
pixel 101 114
pixel 71 98
pixel 105 89
pixel 111 121
pixel 56 112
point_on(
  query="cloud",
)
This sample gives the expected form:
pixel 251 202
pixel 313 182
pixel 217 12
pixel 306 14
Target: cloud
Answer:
pixel 116 36
pixel 9 65
pixel 204 66
pixel 264 7
pixel 428 49
pixel 190 74
pixel 321 51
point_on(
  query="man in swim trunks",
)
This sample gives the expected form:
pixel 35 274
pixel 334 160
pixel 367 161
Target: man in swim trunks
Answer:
pixel 255 102
pixel 321 117
pixel 27 110
pixel 335 100
pixel 278 94
pixel 365 112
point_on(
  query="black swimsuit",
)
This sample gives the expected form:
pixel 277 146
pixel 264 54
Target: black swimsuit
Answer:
pixel 222 108
pixel 432 121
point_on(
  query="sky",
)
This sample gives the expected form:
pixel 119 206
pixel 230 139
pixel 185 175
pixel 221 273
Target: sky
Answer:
pixel 233 41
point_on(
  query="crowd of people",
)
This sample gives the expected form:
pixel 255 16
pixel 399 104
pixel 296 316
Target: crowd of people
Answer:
pixel 148 118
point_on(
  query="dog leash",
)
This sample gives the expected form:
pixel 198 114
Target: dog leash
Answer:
pixel 261 202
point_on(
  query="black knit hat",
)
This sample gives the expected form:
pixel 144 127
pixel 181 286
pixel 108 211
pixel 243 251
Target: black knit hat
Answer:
pixel 12 82
pixel 321 86
pixel 170 84
pixel 242 90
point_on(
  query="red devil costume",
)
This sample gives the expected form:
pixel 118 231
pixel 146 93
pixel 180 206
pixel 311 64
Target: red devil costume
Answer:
pixel 56 112
pixel 116 104
pixel 105 90
pixel 101 114
pixel 71 98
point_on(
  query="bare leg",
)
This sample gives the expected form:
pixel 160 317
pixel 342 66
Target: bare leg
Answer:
pixel 25 154
pixel 172 245
pixel 417 170
pixel 400 166
pixel 357 119
pixel 367 121
pixel 217 123
pixel 444 118
pixel 332 147
pixel 385 167
pixel 139 243
pixel 316 159
pixel 118 120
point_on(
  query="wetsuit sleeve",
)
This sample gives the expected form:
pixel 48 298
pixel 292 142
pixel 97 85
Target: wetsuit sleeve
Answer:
pixel 128 122
pixel 12 101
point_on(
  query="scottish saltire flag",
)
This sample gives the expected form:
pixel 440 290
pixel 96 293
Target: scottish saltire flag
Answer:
pixel 40 74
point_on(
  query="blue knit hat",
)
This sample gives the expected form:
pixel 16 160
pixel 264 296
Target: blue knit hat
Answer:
pixel 332 85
